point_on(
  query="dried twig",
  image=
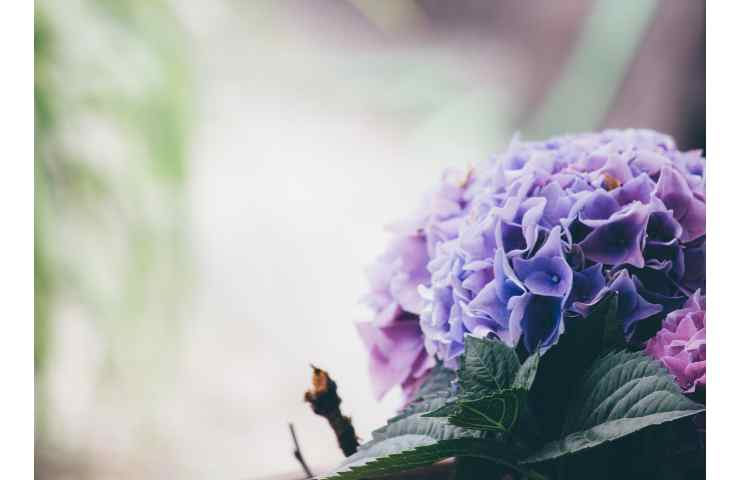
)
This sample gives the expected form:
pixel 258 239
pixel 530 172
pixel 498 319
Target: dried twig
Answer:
pixel 325 402
pixel 297 452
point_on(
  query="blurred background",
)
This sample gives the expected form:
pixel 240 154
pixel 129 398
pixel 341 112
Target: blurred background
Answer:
pixel 213 176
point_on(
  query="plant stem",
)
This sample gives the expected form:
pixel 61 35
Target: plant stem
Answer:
pixel 297 452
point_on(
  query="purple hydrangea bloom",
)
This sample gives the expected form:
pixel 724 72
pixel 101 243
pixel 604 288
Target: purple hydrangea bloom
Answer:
pixel 553 226
pixel 681 344
pixel 393 337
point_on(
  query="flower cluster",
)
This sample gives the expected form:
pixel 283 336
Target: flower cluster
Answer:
pixel 555 225
pixel 538 236
pixel 682 344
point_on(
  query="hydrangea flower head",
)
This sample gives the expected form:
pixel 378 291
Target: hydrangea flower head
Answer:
pixel 681 344
pixel 553 226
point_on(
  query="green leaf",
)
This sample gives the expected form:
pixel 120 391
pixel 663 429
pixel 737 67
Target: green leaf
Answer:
pixel 527 372
pixel 416 418
pixel 407 452
pixel 563 365
pixel 487 366
pixel 436 428
pixel 471 468
pixel 433 394
pixel 400 436
pixel 496 412
pixel 445 410
pixel 424 405
pixel 649 451
pixel 439 380
pixel 408 441
pixel 622 393
pixel 418 424
pixel 613 328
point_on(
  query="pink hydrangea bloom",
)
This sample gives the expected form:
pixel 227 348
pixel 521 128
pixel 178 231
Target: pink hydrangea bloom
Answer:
pixel 681 344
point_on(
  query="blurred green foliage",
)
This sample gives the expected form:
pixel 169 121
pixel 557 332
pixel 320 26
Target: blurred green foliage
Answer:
pixel 112 114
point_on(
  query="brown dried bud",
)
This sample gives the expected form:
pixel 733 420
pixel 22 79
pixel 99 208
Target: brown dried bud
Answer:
pixel 325 402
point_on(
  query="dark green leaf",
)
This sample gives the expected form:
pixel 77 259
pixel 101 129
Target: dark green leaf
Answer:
pixel 405 434
pixel 649 451
pixel 562 366
pixel 613 328
pixel 391 455
pixel 471 468
pixel 622 393
pixel 408 452
pixel 487 366
pixel 433 394
pixel 527 372
pixel 439 380
pixel 436 428
pixel 495 412
pixel 445 410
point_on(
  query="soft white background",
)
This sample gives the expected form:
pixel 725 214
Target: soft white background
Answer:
pixel 289 196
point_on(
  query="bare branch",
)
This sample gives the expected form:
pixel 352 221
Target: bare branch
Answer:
pixel 297 452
